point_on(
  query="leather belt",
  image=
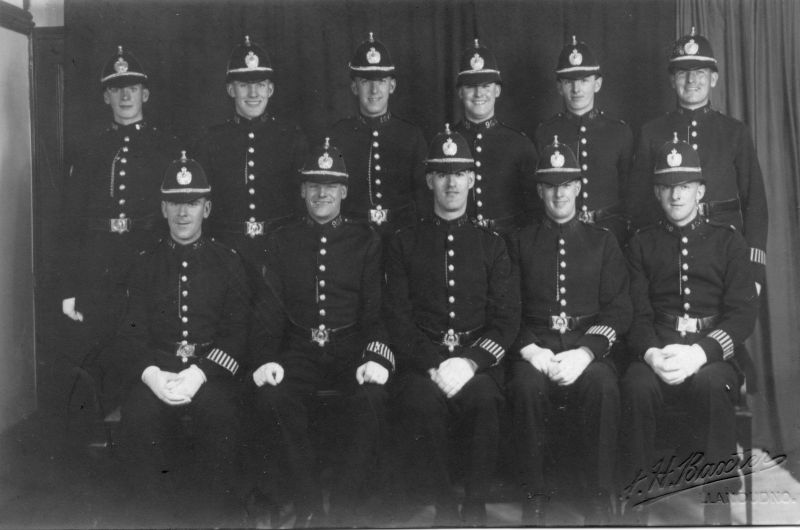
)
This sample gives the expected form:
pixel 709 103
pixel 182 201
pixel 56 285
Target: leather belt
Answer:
pixel 686 324
pixel 452 338
pixel 595 216
pixel 323 335
pixel 116 225
pixel 500 223
pixel 708 209
pixel 562 322
pixel 184 350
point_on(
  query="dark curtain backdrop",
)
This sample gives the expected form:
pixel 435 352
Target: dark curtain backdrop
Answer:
pixel 185 45
pixel 757 43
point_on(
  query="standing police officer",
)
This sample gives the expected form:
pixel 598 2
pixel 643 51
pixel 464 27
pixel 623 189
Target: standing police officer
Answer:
pixel 111 208
pixel 575 305
pixel 503 197
pixel 604 146
pixel 324 332
pixel 251 159
pixel 385 155
pixel 694 304
pixel 184 336
pixel 735 193
pixel 454 312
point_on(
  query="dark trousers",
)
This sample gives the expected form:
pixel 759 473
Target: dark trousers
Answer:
pixel 708 398
pixel 429 417
pixel 166 463
pixel 288 413
pixel 591 403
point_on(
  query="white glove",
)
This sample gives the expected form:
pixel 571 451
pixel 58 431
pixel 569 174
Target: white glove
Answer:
pixel 541 358
pixel 372 372
pixel 569 365
pixel 68 308
pixel 453 374
pixel 188 382
pixel 157 380
pixel 271 373
pixel 685 359
pixel 667 370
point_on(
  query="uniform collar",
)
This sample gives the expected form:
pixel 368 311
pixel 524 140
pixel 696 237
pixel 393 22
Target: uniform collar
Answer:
pixel 588 116
pixel 375 122
pixel 451 223
pixel 137 126
pixel 487 124
pixel 239 120
pixel 693 113
pixel 333 224
pixel 696 223
pixel 569 226
pixel 182 249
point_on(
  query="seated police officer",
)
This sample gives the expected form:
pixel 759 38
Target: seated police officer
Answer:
pixel 575 305
pixel 384 154
pixel 694 304
pixel 324 332
pixel 184 334
pixel 453 308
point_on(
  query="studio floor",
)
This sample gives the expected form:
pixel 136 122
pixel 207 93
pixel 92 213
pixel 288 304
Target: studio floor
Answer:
pixel 50 477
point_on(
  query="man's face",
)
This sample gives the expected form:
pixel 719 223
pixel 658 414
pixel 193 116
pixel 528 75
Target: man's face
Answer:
pixel 251 97
pixel 693 87
pixel 450 192
pixel 323 201
pixel 680 202
pixel 185 219
pixel 373 95
pixel 479 100
pixel 126 103
pixel 578 94
pixel 560 200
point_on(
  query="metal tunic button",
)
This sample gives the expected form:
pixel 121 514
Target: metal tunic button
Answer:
pixel 694 123
pixel 251 163
pixel 687 306
pixel 583 141
pixel 322 297
pixel 584 179
pixel 585 167
pixel 685 252
pixel 183 278
pixel 562 252
pixel 451 253
pixel 452 299
pixel 449 237
pixel 251 135
pixel 687 291
pixel 251 177
pixel 122 173
pixel 479 177
pixel 375 144
pixel 479 204
pixel 479 136
pixel 452 314
pixel 184 264
pixel 322 312
pixel 562 277
pixel 451 283
pixel 184 308
pixel 184 333
pixel 584 154
pixel 694 134
pixel 322 268
pixel 322 283
pixel 685 266
pixel 563 264
pixel 451 268
pixel 377 182
pixel 127 139
pixel 252 219
pixel 377 168
pixel 477 163
pixel 185 320
pixel 479 149
pixel 252 191
pixel 684 239
pixel 563 290
pixel 323 239
pixel 563 302
pixel 376 156
pixel 252 206
pixel 122 187
pixel 251 150
pixel 583 128
pixel 121 202
pixel 185 293
pixel 375 133
pixel 125 149
pixel 323 251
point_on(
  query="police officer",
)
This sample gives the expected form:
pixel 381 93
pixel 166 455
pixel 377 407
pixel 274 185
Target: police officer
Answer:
pixel 603 145
pixel 503 197
pixel 575 306
pixel 251 159
pixel 184 336
pixel 454 311
pixel 324 332
pixel 735 193
pixel 694 305
pixel 111 208
pixel 385 155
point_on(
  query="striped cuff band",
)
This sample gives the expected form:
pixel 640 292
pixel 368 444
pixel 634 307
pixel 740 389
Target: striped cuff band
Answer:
pixel 758 256
pixel 725 341
pixel 606 331
pixel 224 360
pixel 379 348
pixel 492 347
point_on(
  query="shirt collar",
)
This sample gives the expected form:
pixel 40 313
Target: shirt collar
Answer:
pixel 487 124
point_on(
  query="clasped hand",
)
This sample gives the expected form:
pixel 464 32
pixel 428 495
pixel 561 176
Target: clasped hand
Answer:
pixel 674 363
pixel 563 368
pixel 372 372
pixel 452 374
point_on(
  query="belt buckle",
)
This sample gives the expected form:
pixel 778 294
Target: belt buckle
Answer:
pixel 703 209
pixel 184 351
pixel 586 216
pixel 559 323
pixel 451 340
pixel 378 216
pixel 686 325
pixel 254 228
pixel 320 336
pixel 119 225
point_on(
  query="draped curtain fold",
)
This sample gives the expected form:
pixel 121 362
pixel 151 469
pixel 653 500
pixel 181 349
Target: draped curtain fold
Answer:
pixel 757 44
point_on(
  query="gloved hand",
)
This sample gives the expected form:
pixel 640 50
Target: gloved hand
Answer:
pixel 372 372
pixel 569 365
pixel 68 308
pixel 667 372
pixel 541 358
pixel 188 382
pixel 271 373
pixel 453 374
pixel 684 359
pixel 157 380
